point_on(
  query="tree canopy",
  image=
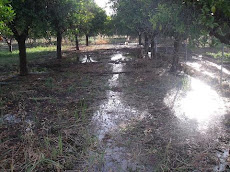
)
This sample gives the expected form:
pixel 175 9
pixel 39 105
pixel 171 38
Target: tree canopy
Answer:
pixel 6 15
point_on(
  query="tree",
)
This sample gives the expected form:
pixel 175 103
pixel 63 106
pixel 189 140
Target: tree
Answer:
pixel 215 16
pixel 8 37
pixel 60 18
pixel 167 18
pixel 93 20
pixel 128 17
pixel 79 20
pixel 175 19
pixel 27 13
pixel 134 15
pixel 6 15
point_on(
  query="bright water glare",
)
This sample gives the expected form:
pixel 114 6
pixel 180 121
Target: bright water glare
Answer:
pixel 200 102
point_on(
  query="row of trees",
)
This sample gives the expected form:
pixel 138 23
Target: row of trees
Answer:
pixel 22 18
pixel 177 19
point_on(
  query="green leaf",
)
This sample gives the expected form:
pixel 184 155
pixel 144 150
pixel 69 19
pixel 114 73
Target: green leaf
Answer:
pixel 213 9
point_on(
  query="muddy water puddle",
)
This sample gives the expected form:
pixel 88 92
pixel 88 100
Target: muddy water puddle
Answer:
pixel 194 100
pixel 114 115
pixel 198 103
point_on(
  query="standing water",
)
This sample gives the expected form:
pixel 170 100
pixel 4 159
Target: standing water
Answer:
pixel 113 115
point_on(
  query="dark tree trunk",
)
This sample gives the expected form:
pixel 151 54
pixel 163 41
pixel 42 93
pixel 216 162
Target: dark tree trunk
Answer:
pixel 175 55
pixel 87 40
pixel 139 37
pixel 22 55
pixel 77 42
pixel 59 42
pixel 9 43
pixel 146 46
pixel 10 47
pixel 153 48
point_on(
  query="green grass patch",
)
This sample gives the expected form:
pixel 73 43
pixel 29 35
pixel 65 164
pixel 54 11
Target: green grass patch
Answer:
pixel 219 55
pixel 7 58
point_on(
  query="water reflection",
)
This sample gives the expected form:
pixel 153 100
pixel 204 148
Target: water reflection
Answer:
pixel 197 101
pixel 222 156
pixel 87 59
pixel 114 114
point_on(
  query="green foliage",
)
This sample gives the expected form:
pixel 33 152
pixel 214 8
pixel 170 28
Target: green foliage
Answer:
pixel 131 17
pixel 219 55
pixel 215 16
pixel 27 14
pixel 91 19
pixel 175 19
pixel 6 16
pixel 60 13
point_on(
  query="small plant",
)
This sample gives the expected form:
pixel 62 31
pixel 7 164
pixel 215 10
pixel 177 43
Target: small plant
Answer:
pixel 41 160
pixel 76 115
pixel 186 83
pixel 60 145
pixel 49 82
pixel 71 88
pixel 81 113
pixel 47 143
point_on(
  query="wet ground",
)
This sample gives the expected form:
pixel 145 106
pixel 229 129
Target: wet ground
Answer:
pixel 104 109
pixel 152 120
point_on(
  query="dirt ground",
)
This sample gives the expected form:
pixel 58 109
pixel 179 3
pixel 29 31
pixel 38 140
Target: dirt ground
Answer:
pixel 104 109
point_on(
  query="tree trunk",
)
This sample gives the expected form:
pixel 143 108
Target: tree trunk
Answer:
pixel 146 46
pixel 59 42
pixel 140 43
pixel 87 40
pixel 22 55
pixel 9 43
pixel 153 48
pixel 77 42
pixel 175 55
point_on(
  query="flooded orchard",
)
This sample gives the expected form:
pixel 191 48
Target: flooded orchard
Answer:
pixel 152 120
pixel 114 115
pixel 112 111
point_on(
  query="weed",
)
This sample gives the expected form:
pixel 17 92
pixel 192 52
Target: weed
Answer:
pixel 60 145
pixel 42 159
pixel 76 115
pixel 47 142
pixel 72 88
pixel 186 83
pixel 81 113
pixel 49 82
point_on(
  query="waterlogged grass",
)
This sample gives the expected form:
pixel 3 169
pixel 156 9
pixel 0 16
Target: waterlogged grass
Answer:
pixel 7 58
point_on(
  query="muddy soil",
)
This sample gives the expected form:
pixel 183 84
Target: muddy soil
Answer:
pixel 107 110
pixel 153 120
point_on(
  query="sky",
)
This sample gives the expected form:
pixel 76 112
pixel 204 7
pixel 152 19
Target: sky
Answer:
pixel 103 4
